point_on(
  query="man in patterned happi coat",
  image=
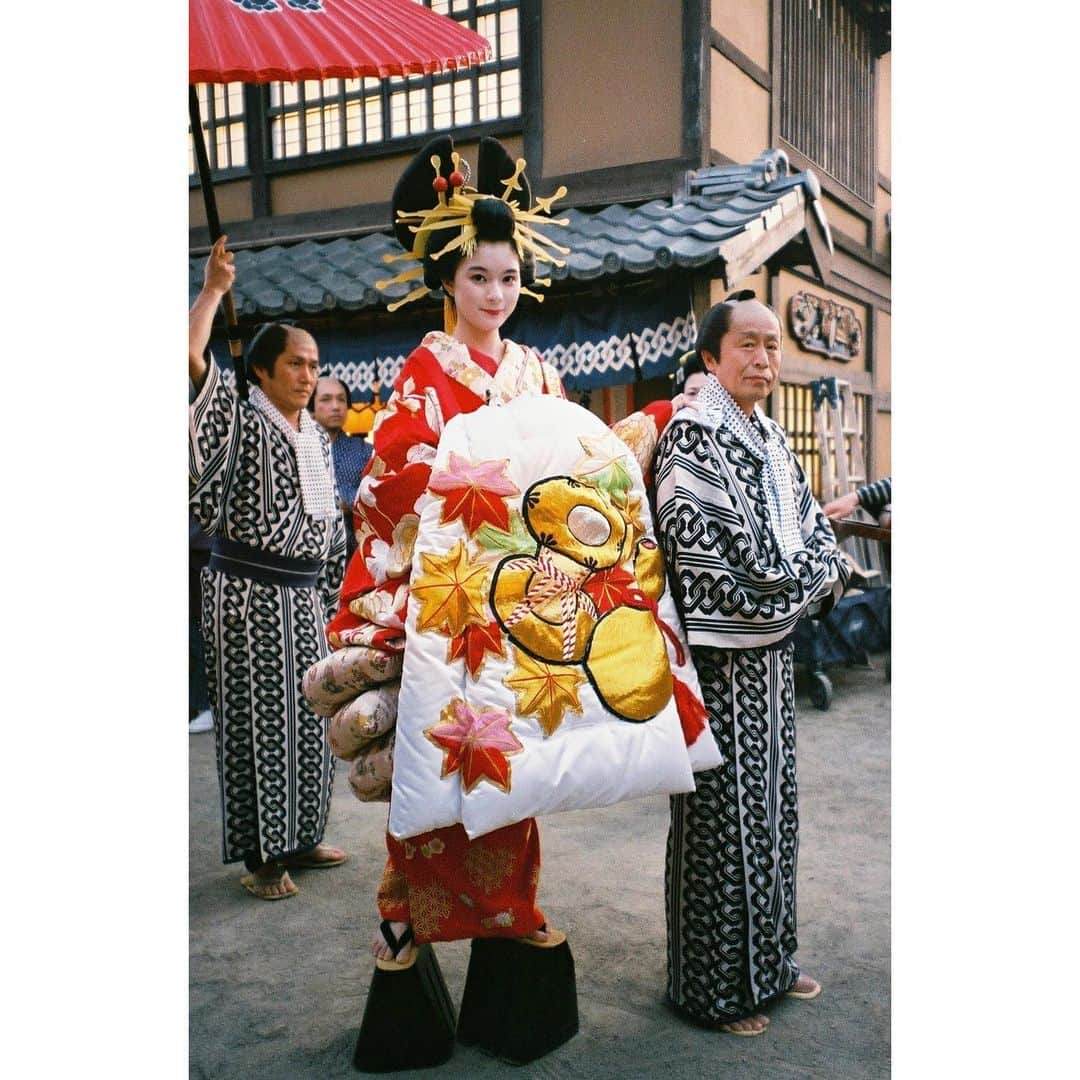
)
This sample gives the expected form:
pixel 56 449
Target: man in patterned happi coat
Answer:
pixel 262 483
pixel 749 552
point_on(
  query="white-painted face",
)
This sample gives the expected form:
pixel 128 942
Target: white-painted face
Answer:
pixel 694 383
pixel 486 286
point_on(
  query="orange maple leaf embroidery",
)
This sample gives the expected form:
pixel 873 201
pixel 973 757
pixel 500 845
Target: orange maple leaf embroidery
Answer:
pixel 476 742
pixel 451 591
pixel 472 643
pixel 545 691
pixel 475 492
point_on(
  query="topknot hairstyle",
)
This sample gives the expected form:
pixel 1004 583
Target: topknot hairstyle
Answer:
pixel 266 346
pixel 717 321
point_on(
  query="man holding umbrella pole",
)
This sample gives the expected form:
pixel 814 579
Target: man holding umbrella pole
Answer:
pixel 262 483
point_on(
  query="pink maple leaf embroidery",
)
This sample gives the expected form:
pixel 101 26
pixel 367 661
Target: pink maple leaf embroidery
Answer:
pixel 476 742
pixel 476 493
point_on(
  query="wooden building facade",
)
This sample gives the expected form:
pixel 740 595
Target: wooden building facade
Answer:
pixel 698 140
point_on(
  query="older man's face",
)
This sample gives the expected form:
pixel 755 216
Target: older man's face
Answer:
pixel 749 362
pixel 331 406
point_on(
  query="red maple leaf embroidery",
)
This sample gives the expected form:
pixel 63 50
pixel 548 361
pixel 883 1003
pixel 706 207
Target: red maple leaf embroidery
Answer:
pixel 610 588
pixel 472 643
pixel 474 492
pixel 476 742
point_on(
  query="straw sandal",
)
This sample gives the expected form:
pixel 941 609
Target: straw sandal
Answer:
pixel 805 995
pixel 265 888
pixel 319 857
pixel 732 1030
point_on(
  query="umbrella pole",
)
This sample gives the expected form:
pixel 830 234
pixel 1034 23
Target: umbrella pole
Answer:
pixel 236 346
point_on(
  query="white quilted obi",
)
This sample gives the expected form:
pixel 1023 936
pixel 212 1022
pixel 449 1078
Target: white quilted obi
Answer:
pixel 543 651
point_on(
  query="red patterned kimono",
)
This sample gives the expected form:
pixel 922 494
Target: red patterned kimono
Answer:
pixel 445 885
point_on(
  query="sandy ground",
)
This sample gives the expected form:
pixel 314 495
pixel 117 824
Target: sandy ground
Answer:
pixel 277 990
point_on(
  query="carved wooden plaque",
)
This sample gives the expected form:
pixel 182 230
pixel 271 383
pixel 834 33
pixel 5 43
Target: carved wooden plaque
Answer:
pixel 823 326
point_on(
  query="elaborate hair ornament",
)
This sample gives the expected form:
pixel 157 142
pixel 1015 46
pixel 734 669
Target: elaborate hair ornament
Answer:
pixel 453 210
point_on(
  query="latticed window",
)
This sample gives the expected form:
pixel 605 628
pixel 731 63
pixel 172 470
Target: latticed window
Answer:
pixel 310 117
pixel 795 414
pixel 315 117
pixel 827 92
pixel 221 108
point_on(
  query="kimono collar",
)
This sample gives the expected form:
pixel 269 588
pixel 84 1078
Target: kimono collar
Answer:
pixel 765 440
pixel 316 480
pixel 719 409
pixel 519 371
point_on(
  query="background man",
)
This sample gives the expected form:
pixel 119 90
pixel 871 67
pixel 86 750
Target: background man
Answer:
pixel 330 406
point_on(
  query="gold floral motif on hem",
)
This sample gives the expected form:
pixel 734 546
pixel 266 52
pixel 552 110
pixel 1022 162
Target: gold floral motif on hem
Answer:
pixel 429 905
pixel 393 888
pixel 487 868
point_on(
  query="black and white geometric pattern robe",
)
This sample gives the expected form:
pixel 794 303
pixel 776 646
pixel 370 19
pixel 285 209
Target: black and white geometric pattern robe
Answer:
pixel 733 842
pixel 275 769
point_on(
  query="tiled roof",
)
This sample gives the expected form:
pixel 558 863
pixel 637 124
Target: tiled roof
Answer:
pixel 733 218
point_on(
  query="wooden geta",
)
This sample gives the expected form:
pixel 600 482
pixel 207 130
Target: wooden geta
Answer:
pixel 520 999
pixel 409 1018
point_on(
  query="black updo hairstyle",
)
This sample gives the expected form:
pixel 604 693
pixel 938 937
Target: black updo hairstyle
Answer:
pixel 692 365
pixel 491 217
pixel 717 322
pixel 494 224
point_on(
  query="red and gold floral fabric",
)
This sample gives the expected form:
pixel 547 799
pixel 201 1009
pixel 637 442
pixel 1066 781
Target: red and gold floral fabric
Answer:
pixel 445 885
pixel 449 887
pixel 440 379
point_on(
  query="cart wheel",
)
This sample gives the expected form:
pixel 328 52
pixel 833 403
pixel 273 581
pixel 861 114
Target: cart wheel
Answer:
pixel 820 690
pixel 888 667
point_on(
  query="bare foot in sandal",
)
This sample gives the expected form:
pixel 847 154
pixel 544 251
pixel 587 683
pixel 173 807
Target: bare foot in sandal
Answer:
pixel 270 882
pixel 392 941
pixel 321 855
pixel 805 988
pixel 748 1026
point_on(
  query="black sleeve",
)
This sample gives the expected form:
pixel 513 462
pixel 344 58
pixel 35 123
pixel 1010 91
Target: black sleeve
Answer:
pixel 876 496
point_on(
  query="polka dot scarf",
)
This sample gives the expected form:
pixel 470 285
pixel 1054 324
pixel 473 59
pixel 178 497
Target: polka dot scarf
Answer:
pixel 768 444
pixel 316 479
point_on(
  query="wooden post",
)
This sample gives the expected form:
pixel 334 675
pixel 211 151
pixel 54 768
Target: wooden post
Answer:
pixel 236 346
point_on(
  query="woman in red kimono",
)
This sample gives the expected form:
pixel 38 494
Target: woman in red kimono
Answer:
pixel 477 244
pixel 440 886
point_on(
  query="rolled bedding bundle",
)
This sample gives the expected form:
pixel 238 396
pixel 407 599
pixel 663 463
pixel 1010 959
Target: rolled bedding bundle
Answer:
pixel 365 718
pixel 370 775
pixel 336 679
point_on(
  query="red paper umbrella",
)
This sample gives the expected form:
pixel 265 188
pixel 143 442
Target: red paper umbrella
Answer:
pixel 290 40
